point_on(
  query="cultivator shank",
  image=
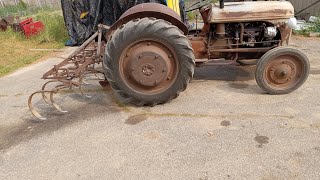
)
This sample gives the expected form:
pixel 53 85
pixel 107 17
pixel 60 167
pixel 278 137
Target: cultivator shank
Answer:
pixel 72 71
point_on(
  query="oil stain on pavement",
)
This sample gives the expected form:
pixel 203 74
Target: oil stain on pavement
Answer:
pixel 261 140
pixel 136 119
pixel 238 85
pixel 225 123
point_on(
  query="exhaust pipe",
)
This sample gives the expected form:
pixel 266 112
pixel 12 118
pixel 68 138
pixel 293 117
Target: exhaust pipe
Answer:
pixel 221 4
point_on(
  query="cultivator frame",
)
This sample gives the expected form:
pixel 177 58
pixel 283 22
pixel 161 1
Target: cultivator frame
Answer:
pixel 71 71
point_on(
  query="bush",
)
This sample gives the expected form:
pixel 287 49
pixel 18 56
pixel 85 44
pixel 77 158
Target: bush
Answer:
pixel 312 27
pixel 55 29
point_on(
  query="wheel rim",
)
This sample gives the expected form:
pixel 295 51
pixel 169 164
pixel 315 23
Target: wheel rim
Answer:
pixel 148 67
pixel 284 72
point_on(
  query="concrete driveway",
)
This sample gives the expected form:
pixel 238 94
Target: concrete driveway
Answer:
pixel 222 127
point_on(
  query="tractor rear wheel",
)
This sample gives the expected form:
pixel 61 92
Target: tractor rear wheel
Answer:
pixel 282 70
pixel 148 61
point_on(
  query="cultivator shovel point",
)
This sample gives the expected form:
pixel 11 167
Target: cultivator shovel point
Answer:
pixel 72 71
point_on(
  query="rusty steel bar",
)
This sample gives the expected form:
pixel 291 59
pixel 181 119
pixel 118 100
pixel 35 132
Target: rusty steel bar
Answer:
pixel 242 50
pixel 239 44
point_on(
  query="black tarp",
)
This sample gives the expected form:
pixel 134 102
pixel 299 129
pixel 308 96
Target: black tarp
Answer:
pixel 82 16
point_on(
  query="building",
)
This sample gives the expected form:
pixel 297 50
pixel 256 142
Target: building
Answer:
pixel 299 5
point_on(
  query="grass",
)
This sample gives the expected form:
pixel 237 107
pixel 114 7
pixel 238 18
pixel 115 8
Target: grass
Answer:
pixel 15 48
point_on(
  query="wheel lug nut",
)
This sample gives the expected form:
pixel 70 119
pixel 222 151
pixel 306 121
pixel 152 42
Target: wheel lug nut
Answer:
pixel 149 43
pixel 168 78
pixel 170 56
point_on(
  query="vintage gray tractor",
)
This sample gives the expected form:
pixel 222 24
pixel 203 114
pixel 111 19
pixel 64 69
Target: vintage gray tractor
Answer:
pixel 150 54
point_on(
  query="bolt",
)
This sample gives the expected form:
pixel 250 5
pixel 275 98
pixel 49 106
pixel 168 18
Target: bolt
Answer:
pixel 127 55
pixel 140 81
pixel 283 73
pixel 168 78
pixel 149 43
pixel 140 56
pixel 156 57
pixel 283 62
pixel 163 70
pixel 170 56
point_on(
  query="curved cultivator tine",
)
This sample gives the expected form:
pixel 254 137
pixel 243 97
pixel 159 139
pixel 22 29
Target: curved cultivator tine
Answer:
pixel 81 91
pixel 81 81
pixel 54 104
pixel 44 97
pixel 31 107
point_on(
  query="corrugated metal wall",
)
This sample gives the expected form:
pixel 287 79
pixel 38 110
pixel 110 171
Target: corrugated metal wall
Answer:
pixel 301 4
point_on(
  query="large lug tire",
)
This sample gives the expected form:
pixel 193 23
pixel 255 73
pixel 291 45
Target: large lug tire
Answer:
pixel 148 61
pixel 282 70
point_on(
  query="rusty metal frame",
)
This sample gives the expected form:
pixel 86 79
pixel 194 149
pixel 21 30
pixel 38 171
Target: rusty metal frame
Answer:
pixel 71 71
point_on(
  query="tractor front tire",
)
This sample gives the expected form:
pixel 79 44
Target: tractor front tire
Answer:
pixel 282 70
pixel 148 61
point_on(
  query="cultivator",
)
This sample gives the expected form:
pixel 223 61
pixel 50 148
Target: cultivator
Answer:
pixel 72 71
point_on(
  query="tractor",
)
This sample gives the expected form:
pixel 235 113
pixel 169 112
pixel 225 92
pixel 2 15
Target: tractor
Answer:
pixel 150 54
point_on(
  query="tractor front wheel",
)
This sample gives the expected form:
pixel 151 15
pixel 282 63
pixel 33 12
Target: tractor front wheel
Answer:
pixel 148 61
pixel 282 70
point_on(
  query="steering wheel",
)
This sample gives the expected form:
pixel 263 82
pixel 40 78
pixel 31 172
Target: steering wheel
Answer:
pixel 198 5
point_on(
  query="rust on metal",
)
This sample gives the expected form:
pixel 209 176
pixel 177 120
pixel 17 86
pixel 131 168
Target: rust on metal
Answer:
pixel 148 66
pixel 283 72
pixel 153 10
pixel 265 49
pixel 199 47
pixel 251 11
pixel 71 71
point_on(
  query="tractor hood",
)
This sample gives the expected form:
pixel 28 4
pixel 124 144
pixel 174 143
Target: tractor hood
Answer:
pixel 251 11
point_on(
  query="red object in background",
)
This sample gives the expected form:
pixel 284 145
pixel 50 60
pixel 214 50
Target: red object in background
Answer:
pixel 30 28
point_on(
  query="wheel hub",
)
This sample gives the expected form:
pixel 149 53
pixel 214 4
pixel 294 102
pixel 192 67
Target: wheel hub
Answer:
pixel 149 65
pixel 282 72
pixel 148 69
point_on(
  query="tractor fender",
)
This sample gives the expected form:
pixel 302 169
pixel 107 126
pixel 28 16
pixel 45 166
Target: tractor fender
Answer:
pixel 154 10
